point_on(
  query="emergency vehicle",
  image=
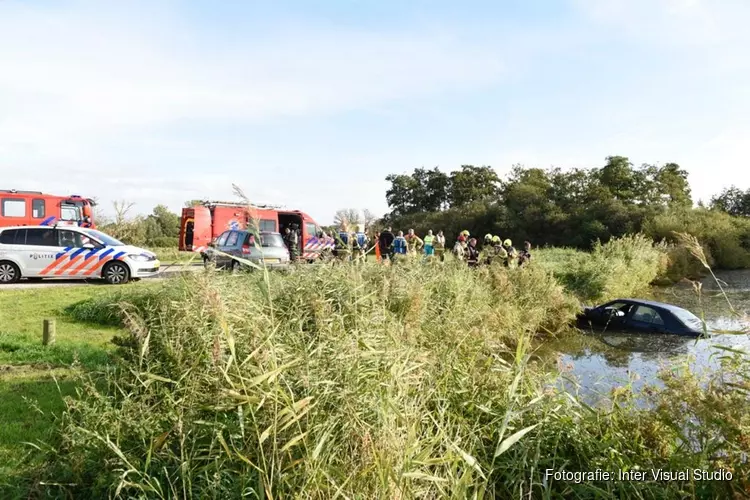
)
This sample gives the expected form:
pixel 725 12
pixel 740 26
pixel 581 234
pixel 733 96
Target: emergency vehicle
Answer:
pixel 71 252
pixel 203 223
pixel 34 208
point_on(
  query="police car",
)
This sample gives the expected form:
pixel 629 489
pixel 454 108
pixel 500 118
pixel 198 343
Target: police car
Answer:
pixel 40 252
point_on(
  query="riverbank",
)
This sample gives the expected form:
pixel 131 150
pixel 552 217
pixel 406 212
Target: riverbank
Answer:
pixel 411 381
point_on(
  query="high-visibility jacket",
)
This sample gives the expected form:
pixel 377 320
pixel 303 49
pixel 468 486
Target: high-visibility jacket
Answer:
pixel 429 240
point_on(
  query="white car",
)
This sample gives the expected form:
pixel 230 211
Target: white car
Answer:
pixel 40 252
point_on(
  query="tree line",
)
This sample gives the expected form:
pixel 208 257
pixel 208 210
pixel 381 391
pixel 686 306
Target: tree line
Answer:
pixel 570 208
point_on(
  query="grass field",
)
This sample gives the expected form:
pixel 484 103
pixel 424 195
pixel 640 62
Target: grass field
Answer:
pixel 173 256
pixel 33 378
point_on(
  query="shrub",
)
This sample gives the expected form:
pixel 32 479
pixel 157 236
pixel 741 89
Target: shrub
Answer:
pixel 726 238
pixel 622 267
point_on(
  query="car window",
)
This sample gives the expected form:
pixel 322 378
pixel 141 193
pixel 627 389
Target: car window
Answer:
pixel 14 207
pixel 647 315
pixel 267 225
pixel 232 239
pixel 37 209
pixel 69 213
pixel 249 239
pixel 42 237
pixel 311 229
pixel 621 308
pixel 222 239
pixel 8 237
pixel 73 239
pixel 271 240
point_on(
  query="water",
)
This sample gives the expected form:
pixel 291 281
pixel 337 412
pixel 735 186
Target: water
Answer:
pixel 594 364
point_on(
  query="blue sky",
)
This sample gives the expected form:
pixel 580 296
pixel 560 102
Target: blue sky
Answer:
pixel 312 104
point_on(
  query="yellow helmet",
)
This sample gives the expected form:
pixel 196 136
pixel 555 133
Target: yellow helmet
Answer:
pixel 465 233
pixel 507 243
pixel 496 239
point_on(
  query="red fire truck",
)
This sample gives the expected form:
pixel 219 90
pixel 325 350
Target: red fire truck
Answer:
pixel 34 208
pixel 203 223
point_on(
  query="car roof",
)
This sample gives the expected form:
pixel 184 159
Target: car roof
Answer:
pixel 37 227
pixel 652 303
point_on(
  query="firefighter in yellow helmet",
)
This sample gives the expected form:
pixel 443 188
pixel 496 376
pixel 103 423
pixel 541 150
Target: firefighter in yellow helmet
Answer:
pixel 498 252
pixel 510 251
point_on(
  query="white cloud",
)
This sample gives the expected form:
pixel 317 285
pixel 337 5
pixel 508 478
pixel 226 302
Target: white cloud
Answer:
pixel 74 80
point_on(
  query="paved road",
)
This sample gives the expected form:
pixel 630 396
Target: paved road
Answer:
pixel 166 271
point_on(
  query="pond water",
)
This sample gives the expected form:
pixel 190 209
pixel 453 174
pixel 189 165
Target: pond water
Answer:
pixel 593 364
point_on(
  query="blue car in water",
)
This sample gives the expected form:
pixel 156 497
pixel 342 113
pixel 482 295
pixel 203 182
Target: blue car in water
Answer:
pixel 641 316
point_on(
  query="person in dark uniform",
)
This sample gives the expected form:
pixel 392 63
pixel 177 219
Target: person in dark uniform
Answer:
pixel 386 244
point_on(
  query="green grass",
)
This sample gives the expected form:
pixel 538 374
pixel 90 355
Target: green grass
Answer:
pixel 172 255
pixel 33 377
pixel 22 313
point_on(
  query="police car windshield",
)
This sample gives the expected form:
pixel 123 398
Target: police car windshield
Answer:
pixel 107 240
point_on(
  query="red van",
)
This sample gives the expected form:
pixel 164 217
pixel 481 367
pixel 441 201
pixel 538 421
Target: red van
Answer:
pixel 203 223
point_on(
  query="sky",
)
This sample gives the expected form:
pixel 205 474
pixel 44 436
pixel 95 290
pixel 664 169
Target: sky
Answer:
pixel 311 104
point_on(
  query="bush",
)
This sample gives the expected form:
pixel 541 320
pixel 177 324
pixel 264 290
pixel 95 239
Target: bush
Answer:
pixel 726 238
pixel 621 268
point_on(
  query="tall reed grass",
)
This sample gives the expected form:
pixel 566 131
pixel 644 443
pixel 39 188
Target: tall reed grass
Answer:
pixel 355 381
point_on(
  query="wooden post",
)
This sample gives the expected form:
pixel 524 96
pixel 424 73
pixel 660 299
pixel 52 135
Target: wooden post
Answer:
pixel 48 335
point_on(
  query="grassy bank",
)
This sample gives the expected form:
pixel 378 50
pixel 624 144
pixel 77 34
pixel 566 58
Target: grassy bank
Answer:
pixel 407 381
pixel 33 378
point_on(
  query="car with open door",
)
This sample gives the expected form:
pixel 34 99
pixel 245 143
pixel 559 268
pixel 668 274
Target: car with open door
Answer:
pixel 641 316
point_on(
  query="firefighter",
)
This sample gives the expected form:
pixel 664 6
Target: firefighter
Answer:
pixel 293 244
pixel 414 243
pixel 499 252
pixel 511 252
pixel 459 249
pixel 440 246
pixel 524 255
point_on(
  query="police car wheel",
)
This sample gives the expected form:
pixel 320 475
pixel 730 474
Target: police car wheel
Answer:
pixel 116 273
pixel 9 272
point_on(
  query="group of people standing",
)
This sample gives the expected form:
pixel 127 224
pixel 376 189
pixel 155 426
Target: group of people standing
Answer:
pixel 466 248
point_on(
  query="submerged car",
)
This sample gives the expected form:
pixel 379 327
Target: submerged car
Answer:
pixel 267 248
pixel 641 316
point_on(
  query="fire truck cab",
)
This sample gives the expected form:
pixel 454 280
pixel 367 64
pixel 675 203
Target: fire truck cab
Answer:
pixel 34 208
pixel 203 223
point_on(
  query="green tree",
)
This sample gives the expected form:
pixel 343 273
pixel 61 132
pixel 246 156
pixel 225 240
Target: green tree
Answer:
pixel 733 201
pixel 400 196
pixel 470 184
pixel 167 222
pixel 673 186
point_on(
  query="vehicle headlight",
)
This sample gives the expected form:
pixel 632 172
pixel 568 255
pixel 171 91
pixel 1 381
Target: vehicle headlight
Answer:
pixel 139 257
